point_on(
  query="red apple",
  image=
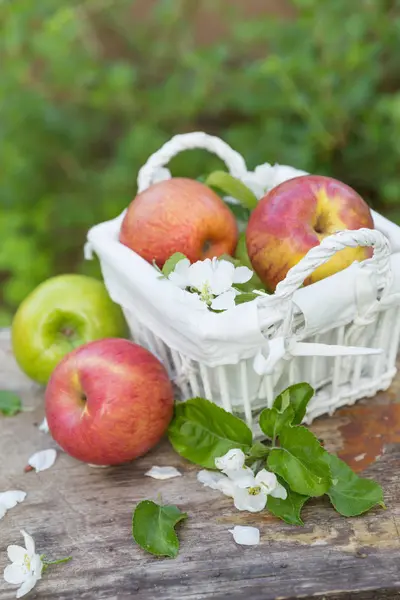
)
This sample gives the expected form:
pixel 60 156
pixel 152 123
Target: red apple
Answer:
pixel 108 402
pixel 179 215
pixel 294 217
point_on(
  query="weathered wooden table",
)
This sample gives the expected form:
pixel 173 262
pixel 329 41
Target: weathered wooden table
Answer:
pixel 86 512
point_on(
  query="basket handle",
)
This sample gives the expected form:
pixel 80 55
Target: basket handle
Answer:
pixel 190 141
pixel 285 345
pixel 328 247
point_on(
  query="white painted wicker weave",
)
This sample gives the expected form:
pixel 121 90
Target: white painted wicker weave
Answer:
pixel 341 335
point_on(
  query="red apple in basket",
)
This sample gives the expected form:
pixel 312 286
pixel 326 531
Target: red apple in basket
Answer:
pixel 294 217
pixel 179 215
pixel 108 402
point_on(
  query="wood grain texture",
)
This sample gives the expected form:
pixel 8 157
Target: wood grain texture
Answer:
pixel 86 512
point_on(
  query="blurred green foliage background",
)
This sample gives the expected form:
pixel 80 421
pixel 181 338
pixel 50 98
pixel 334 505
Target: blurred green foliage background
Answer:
pixel 89 89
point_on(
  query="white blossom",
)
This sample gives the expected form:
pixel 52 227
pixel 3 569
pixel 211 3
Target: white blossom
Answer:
pixel 253 497
pixel 180 275
pixel 9 500
pixel 210 280
pixel 26 568
pixel 216 481
pixel 249 491
pixel 163 473
pixel 245 536
pixel 43 460
pixel 232 465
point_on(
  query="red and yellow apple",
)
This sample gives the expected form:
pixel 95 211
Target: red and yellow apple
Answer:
pixel 108 402
pixel 179 215
pixel 294 217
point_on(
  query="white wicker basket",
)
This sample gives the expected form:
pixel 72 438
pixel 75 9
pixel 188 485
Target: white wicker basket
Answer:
pixel 341 334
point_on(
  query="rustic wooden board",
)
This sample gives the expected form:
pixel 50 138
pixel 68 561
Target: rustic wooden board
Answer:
pixel 86 512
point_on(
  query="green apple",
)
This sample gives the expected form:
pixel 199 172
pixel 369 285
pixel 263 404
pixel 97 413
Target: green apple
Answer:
pixel 61 314
pixel 241 254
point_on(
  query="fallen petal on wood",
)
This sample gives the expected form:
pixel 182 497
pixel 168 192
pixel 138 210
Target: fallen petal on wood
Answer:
pixel 246 536
pixel 163 472
pixel 43 460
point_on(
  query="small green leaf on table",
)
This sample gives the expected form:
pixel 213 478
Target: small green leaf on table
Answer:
pixel 272 421
pixel 201 431
pixel 10 403
pixel 232 187
pixel 153 528
pixel 300 461
pixel 289 509
pixel 171 263
pixel 350 494
pixel 298 396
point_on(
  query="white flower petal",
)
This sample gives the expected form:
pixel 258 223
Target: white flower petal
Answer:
pixel 246 536
pixel 222 277
pixel 180 275
pixel 43 460
pixel 200 273
pixel 242 275
pixel 232 460
pixel 243 500
pixel 12 498
pixel 225 301
pixel 27 586
pixel 267 479
pixel 216 481
pixel 279 492
pixel 37 566
pixel 16 554
pixel 29 543
pixel 15 574
pixel 194 301
pixel 243 478
pixel 44 426
pixel 163 472
pixel 3 510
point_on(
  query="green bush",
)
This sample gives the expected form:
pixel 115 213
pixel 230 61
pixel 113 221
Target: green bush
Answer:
pixel 88 92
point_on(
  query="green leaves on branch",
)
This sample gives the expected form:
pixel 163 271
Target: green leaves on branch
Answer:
pixel 300 461
pixel 10 403
pixel 230 186
pixel 288 510
pixel 350 494
pixel 201 431
pixel 153 528
pixel 272 421
pixel 297 397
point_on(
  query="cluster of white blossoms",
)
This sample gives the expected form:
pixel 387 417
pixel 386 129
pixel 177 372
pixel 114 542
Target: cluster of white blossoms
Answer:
pixel 211 281
pixel 249 491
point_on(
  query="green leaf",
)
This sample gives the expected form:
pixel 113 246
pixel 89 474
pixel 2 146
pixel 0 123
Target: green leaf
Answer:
pixel 272 421
pixel 10 403
pixel 258 450
pixel 232 187
pixel 171 263
pixel 301 462
pixel 153 528
pixel 245 297
pixel 241 213
pixel 289 509
pixel 350 494
pixel 201 431
pixel 298 396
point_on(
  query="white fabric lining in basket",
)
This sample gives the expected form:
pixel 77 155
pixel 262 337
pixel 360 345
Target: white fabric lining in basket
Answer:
pixel 341 334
